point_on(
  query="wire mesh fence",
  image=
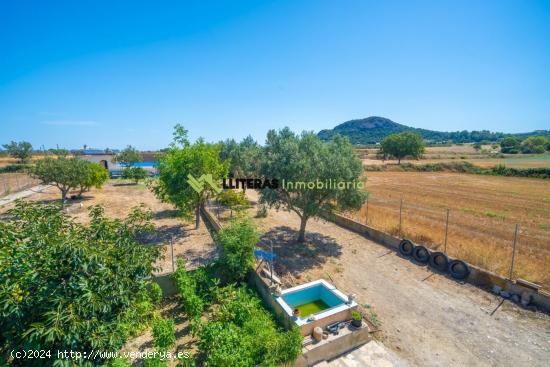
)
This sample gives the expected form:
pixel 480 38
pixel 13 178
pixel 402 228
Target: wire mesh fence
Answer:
pixel 486 241
pixel 14 182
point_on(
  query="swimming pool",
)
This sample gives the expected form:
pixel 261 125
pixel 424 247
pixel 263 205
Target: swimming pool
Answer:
pixel 319 303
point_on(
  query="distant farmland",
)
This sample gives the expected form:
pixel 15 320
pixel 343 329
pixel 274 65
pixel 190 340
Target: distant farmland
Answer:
pixel 483 213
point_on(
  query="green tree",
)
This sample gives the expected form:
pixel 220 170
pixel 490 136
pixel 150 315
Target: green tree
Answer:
pixel 64 173
pixel 184 160
pixel 95 176
pixel 244 157
pixel 510 145
pixel 59 152
pixel 233 200
pixel 534 144
pixel 128 156
pixel 134 173
pixel 70 286
pixel 22 150
pixel 332 168
pixel 401 145
pixel 237 242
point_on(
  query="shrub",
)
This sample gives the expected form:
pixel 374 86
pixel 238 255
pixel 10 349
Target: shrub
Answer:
pixel 155 293
pixel 56 283
pixel 193 305
pixel 134 173
pixel 164 334
pixel 237 242
pixel 262 211
pixel 156 361
pixel 11 168
pixel 243 333
pixel 117 362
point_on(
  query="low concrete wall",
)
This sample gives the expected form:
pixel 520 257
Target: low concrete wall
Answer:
pixel 333 348
pixel 479 277
pixel 167 284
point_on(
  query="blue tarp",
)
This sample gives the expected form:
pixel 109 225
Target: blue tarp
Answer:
pixel 268 256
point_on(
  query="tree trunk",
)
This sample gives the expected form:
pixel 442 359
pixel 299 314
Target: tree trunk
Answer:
pixel 398 160
pixel 197 216
pixel 63 197
pixel 302 233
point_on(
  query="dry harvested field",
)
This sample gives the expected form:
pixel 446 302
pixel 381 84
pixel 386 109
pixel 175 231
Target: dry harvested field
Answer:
pixel 457 153
pixel 483 214
pixel 118 199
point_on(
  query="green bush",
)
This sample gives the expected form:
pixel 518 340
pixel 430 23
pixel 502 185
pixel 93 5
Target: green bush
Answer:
pixel 134 173
pixel 193 305
pixel 10 168
pixel 70 286
pixel 237 242
pixel 155 362
pixel 117 362
pixel 242 333
pixel 164 334
pixel 155 293
pixel 262 211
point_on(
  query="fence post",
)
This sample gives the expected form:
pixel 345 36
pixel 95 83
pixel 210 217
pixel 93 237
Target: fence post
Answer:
pixel 400 216
pixel 446 231
pixel 367 215
pixel 514 251
pixel 172 250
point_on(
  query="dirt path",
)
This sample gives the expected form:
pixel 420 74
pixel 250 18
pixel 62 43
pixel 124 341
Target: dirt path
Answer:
pixel 427 319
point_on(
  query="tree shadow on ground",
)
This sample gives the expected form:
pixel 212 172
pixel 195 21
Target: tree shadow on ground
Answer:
pixel 166 213
pixel 294 257
pixel 165 233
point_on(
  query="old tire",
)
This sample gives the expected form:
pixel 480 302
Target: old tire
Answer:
pixel 406 248
pixel 459 269
pixel 439 261
pixel 421 254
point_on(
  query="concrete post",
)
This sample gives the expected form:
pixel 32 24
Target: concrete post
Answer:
pixel 400 216
pixel 367 214
pixel 446 231
pixel 172 250
pixel 514 251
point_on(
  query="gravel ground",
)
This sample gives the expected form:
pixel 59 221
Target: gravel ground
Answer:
pixel 427 319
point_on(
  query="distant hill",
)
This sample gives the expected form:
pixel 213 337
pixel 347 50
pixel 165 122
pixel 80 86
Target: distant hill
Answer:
pixel 372 130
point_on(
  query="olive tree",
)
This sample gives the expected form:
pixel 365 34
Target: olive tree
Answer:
pixel 184 161
pixel 401 145
pixel 22 150
pixel 95 176
pixel 318 177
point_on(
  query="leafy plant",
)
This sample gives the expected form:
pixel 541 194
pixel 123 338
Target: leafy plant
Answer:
pixel 69 286
pixel 134 173
pixel 193 305
pixel 155 361
pixel 262 211
pixel 155 292
pixel 237 242
pixel 356 316
pixel 164 334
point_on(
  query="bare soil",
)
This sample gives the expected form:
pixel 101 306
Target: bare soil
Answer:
pixel 427 319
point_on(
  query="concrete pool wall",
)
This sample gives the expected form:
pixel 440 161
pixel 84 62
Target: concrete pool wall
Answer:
pixel 339 309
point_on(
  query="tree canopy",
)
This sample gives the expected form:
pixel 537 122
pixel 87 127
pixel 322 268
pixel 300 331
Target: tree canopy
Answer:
pixel 128 156
pixel 306 159
pixel 510 145
pixel 69 174
pixel 70 286
pixel 134 173
pixel 22 150
pixel 244 157
pixel 182 161
pixel 401 145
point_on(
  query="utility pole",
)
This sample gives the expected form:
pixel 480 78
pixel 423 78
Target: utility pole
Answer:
pixel 514 251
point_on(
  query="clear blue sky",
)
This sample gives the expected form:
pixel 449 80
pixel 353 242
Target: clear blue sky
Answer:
pixel 112 73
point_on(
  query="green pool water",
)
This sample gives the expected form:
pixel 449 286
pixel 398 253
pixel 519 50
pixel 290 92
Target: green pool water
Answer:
pixel 312 307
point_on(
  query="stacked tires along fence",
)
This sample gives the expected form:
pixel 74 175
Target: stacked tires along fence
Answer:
pixel 439 261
